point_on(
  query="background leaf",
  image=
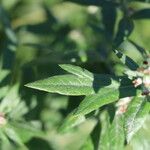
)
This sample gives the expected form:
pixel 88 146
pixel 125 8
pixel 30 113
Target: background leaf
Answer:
pixel 112 134
pixel 126 60
pixel 141 14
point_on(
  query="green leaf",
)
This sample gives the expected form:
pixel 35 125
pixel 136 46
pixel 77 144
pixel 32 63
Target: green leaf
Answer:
pixel 70 122
pixel 73 140
pixel 11 134
pixel 135 116
pixel 26 131
pixel 64 84
pixel 12 105
pixel 102 89
pixel 104 137
pixel 112 135
pixel 141 140
pixel 19 110
pixel 138 5
pixel 138 47
pixel 4 91
pixel 88 145
pixel 116 133
pixel 4 142
pixel 124 30
pixel 131 64
pixel 80 72
pixel 81 83
pixel 3 74
pixel 10 101
pixel 105 96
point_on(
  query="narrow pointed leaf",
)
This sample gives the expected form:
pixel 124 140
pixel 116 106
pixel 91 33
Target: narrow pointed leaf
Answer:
pixel 4 141
pixel 9 131
pixel 83 73
pixel 112 136
pixel 64 84
pixel 70 122
pixel 116 133
pixel 105 96
pixel 82 82
pixel 125 28
pixel 131 64
pixel 135 117
pixel 104 143
pixel 26 131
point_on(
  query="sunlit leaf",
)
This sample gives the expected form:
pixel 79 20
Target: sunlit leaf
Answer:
pixel 135 117
pixel 83 73
pixel 105 96
pixel 82 83
pixel 112 135
pixel 11 134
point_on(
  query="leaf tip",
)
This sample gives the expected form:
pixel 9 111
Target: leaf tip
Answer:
pixel 29 85
pixel 62 65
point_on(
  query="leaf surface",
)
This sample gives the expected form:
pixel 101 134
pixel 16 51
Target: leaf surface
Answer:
pixel 80 82
pixel 131 64
pixel 135 117
pixel 105 96
pixel 112 135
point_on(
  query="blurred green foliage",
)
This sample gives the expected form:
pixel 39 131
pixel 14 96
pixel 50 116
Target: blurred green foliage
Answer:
pixel 36 36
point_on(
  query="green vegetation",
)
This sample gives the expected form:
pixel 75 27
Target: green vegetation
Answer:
pixel 74 75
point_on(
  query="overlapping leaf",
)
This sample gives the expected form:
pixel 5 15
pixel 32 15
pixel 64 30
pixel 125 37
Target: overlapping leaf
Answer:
pixel 102 89
pixel 82 82
pixel 105 96
pixel 131 64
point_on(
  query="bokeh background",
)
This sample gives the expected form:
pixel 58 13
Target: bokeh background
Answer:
pixel 37 35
